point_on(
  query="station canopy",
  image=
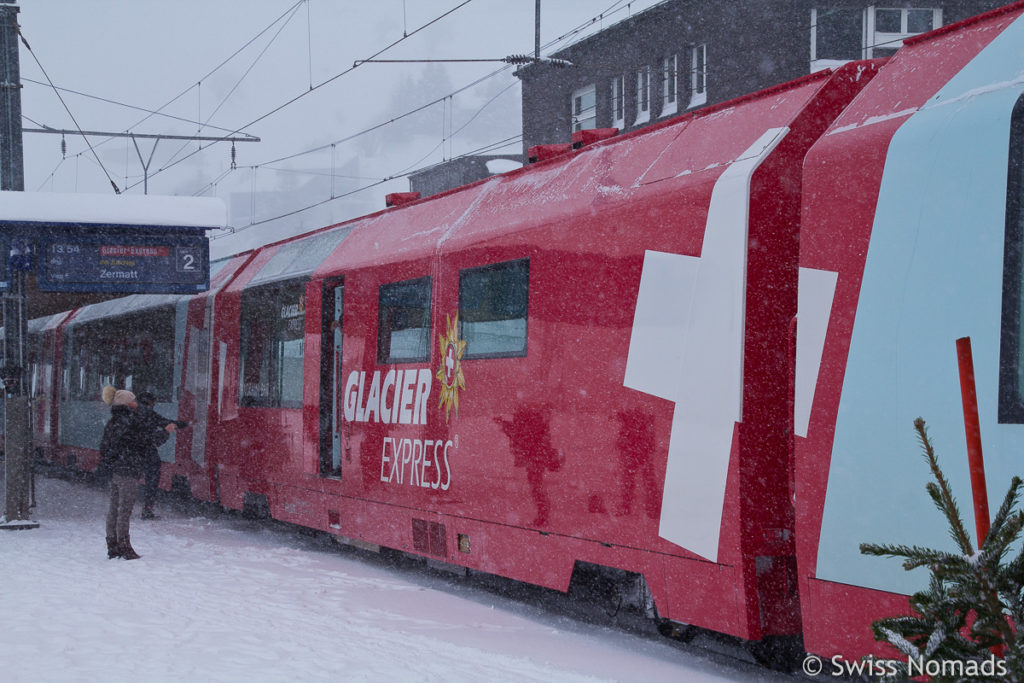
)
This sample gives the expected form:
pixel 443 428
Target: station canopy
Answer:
pixel 89 248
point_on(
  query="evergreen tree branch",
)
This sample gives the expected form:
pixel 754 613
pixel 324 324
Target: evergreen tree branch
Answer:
pixel 1009 502
pixel 915 556
pixel 975 586
pixel 949 506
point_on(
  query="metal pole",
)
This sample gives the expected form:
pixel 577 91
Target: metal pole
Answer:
pixel 17 429
pixel 536 32
pixel 146 163
pixel 972 428
pixel 12 172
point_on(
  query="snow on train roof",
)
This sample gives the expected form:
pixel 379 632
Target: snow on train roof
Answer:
pixel 127 304
pixel 46 322
pixel 103 209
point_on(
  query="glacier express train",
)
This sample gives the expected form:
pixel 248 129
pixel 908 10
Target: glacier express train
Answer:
pixel 689 356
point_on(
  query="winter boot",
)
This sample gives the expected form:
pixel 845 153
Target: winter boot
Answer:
pixel 147 513
pixel 113 548
pixel 127 551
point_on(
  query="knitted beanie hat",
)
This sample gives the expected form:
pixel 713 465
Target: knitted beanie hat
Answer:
pixel 123 397
pixel 117 397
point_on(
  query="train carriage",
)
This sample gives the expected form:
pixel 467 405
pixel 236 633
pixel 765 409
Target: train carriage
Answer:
pixel 44 349
pixel 202 384
pixel 910 240
pixel 508 361
pixel 257 445
pixel 134 342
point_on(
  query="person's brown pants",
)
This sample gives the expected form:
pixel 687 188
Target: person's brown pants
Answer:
pixel 122 500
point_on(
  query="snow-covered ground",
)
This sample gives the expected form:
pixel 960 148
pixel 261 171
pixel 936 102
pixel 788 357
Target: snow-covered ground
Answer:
pixel 219 598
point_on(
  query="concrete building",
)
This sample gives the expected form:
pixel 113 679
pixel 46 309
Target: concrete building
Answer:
pixel 461 171
pixel 685 54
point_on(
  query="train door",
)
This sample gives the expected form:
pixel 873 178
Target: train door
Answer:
pixel 331 423
pixel 197 380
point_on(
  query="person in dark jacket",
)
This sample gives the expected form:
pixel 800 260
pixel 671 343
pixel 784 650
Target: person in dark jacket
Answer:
pixel 122 451
pixel 160 429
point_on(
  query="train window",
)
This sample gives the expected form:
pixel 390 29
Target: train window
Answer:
pixel 134 351
pixel 1011 351
pixel 403 331
pixel 273 345
pixel 492 309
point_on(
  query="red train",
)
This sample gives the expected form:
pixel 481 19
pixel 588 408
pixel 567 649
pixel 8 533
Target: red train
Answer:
pixel 595 362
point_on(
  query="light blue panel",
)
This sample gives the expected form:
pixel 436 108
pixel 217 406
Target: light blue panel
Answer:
pixel 933 274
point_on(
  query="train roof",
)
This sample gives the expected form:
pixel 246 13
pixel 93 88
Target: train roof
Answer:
pixel 604 181
pixel 124 305
pixel 46 322
pixel 299 257
pixel 923 65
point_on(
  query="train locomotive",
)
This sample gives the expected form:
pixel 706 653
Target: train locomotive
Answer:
pixel 690 355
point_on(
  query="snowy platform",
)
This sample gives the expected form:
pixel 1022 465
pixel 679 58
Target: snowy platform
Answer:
pixel 219 598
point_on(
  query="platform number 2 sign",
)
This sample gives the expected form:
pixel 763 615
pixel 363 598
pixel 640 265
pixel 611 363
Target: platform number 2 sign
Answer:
pixel 187 259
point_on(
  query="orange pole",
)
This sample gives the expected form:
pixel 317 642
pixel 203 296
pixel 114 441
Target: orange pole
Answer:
pixel 972 429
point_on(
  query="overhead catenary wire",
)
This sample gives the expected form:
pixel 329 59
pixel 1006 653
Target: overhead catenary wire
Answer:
pixel 159 111
pixel 415 110
pixel 323 83
pixel 232 230
pixel 376 182
pixel 286 15
pixel 575 31
pixel 107 100
pixel 67 109
pixel 219 66
pixel 242 78
pixel 309 43
pixel 614 7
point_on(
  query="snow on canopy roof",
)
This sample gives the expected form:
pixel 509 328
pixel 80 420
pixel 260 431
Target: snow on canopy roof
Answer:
pixel 104 209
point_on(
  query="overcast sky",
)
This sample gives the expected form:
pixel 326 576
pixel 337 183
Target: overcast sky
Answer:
pixel 234 65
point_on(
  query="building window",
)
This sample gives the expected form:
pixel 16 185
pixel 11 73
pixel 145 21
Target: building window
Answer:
pixel 619 101
pixel 493 304
pixel 643 95
pixel 1011 349
pixel 584 108
pixel 839 35
pixel 698 75
pixel 886 28
pixel 669 85
pixel 403 322
pixel 273 345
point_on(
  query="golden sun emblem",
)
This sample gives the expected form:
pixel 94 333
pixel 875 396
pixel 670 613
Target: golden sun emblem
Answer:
pixel 450 371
